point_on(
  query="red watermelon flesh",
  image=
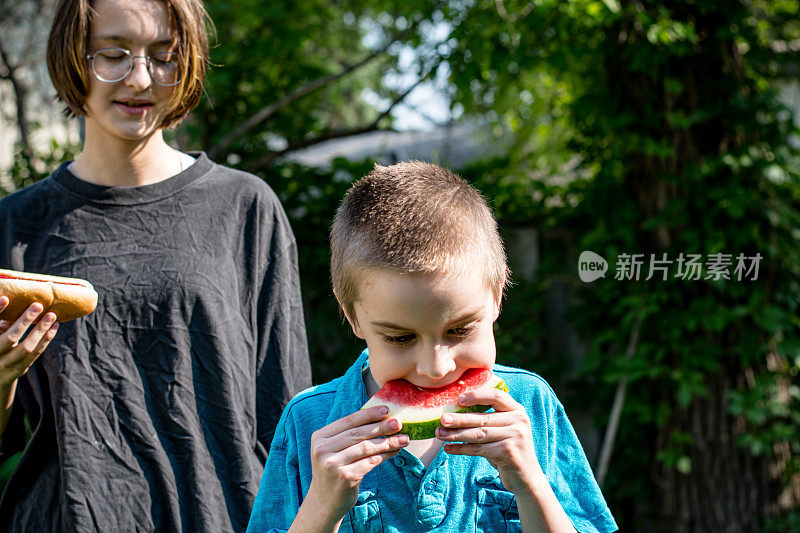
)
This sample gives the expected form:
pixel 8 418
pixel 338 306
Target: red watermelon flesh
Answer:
pixel 402 392
pixel 420 409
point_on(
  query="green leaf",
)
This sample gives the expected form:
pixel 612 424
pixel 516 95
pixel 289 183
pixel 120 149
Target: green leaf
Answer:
pixel 612 5
pixel 684 465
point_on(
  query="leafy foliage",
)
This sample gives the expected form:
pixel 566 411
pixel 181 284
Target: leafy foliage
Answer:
pixel 28 169
pixel 268 53
pixel 683 147
pixel 632 127
pixel 310 197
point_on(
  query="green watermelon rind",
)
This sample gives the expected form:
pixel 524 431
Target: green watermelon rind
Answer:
pixel 427 429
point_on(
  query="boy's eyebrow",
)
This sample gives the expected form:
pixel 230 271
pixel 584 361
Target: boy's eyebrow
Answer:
pixel 387 325
pixel 466 317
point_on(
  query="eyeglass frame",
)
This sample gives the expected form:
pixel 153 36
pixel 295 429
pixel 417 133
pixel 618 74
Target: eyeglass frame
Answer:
pixel 147 59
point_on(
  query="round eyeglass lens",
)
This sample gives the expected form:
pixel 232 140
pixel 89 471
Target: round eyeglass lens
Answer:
pixel 114 64
pixel 164 68
pixel 111 64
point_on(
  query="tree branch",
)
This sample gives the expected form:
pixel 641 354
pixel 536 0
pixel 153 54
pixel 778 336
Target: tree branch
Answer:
pixel 501 10
pixel 221 148
pixel 20 95
pixel 266 160
pixel 616 408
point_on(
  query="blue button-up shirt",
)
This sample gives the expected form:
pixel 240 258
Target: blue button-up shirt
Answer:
pixel 456 493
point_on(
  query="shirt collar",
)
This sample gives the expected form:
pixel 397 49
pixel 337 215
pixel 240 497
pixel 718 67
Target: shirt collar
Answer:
pixel 351 394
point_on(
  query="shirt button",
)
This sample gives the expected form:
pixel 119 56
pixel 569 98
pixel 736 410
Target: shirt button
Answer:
pixel 429 486
pixel 399 461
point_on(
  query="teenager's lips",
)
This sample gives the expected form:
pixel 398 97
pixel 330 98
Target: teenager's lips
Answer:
pixel 133 106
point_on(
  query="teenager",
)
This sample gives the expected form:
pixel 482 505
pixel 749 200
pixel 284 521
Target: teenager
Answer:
pixel 156 411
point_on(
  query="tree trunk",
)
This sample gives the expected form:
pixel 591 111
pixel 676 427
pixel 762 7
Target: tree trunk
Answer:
pixel 727 490
pixel 20 97
pixel 724 488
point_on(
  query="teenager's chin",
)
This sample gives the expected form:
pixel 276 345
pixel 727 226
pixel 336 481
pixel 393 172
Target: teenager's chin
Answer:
pixel 136 134
pixel 122 132
pixel 133 128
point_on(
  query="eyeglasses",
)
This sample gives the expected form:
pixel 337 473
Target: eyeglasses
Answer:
pixel 113 64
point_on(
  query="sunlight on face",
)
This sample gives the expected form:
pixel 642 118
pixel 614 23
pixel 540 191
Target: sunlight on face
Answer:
pixel 426 328
pixel 131 109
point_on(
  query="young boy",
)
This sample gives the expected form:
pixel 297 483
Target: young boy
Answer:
pixel 419 270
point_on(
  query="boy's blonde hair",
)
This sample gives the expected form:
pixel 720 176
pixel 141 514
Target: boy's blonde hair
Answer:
pixel 69 70
pixel 413 217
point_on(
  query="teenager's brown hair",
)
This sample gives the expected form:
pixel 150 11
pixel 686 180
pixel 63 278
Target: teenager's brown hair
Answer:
pixel 67 50
pixel 413 217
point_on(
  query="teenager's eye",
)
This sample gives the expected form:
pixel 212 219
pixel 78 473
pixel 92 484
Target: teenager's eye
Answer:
pixel 112 55
pixel 398 340
pixel 165 59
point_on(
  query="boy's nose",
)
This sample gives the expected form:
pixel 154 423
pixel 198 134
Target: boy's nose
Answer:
pixel 437 362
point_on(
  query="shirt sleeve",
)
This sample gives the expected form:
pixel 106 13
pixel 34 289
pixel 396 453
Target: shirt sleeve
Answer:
pixel 280 494
pixel 572 479
pixel 283 363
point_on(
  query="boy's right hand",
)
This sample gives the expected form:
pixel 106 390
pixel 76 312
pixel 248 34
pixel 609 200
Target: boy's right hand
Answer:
pixel 345 451
pixel 15 356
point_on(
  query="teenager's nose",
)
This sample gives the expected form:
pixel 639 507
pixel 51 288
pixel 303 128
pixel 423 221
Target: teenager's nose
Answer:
pixel 139 77
pixel 437 362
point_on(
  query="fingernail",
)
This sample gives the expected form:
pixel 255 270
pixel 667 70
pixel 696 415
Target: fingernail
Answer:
pixel 447 419
pixel 394 424
pixel 403 439
pixel 462 398
pixel 384 410
pixel 36 308
pixel 48 319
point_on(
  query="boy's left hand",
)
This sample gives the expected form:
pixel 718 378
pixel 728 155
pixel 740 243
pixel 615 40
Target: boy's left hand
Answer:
pixel 503 437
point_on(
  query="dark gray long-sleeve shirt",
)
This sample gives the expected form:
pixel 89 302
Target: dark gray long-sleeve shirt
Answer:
pixel 156 411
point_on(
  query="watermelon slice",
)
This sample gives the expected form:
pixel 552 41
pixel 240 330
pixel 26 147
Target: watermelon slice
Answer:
pixel 420 409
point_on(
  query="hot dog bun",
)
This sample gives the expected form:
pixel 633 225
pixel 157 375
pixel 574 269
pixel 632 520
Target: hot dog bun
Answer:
pixel 68 298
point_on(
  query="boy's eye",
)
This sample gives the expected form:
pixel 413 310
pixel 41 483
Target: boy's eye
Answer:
pixel 462 331
pixel 398 340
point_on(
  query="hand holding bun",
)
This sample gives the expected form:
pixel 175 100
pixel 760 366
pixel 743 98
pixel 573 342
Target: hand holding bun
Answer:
pixel 68 298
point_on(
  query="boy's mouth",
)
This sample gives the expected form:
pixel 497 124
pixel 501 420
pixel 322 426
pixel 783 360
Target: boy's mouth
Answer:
pixel 437 387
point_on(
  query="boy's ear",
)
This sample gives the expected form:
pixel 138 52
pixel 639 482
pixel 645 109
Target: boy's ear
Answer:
pixel 356 329
pixel 353 324
pixel 351 320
